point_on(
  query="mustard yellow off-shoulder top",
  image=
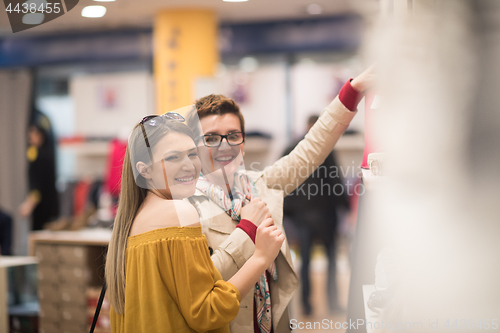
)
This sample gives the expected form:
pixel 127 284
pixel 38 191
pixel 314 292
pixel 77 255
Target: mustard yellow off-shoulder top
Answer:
pixel 173 286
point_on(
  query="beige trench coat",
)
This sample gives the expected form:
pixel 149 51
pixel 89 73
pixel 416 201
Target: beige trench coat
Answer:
pixel 232 246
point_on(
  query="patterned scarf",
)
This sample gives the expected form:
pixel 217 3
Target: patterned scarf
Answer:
pixel 242 193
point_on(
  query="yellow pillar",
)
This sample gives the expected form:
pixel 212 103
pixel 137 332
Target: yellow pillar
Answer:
pixel 185 48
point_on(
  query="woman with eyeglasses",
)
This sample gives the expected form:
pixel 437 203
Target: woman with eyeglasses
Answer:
pixel 232 202
pixel 159 273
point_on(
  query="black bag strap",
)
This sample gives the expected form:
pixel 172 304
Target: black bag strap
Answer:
pixel 98 308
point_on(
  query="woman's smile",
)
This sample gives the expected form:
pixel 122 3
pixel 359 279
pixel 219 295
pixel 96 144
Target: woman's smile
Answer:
pixel 224 159
pixel 186 180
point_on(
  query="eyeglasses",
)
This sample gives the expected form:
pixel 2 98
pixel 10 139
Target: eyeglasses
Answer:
pixel 154 120
pixel 215 140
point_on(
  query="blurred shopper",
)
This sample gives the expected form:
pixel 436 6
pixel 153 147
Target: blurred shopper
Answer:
pixel 224 192
pixel 158 269
pixel 313 209
pixel 42 202
pixel 5 233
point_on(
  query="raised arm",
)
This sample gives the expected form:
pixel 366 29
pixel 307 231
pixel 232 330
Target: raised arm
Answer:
pixel 293 169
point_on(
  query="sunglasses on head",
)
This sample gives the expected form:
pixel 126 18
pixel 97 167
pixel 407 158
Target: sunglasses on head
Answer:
pixel 154 120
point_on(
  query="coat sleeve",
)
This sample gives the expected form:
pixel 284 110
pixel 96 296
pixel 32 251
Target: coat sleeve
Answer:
pixel 236 248
pixel 231 254
pixel 205 300
pixel 293 169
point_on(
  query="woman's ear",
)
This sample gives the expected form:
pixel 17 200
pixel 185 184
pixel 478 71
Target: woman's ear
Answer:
pixel 143 170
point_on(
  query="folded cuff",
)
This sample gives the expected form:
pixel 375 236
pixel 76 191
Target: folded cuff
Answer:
pixel 349 96
pixel 249 228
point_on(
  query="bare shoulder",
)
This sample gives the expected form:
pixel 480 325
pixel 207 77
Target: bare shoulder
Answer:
pixel 186 213
pixel 176 213
pixel 164 214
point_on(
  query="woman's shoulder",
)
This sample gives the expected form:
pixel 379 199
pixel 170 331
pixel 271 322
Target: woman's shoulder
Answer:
pixel 175 213
pixel 185 213
pixel 164 214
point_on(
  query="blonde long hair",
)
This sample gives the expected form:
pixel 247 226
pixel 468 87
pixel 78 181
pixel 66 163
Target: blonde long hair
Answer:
pixel 132 196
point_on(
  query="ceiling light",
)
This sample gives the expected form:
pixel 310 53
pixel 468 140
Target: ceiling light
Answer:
pixel 93 11
pixel 314 9
pixel 234 0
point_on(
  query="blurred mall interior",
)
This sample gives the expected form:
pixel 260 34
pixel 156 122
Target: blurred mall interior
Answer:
pixel 416 245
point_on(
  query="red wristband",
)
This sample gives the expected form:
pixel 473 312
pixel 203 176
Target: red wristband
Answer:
pixel 249 228
pixel 349 96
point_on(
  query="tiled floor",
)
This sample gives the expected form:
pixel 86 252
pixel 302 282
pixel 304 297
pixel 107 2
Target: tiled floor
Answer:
pixel 321 320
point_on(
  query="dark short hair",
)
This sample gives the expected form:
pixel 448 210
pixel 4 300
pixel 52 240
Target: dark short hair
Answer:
pixel 218 105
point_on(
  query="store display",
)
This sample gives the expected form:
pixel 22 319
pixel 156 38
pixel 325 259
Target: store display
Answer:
pixel 70 269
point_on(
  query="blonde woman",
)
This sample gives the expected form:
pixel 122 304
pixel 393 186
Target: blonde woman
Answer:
pixel 159 273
